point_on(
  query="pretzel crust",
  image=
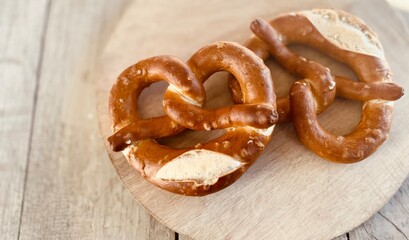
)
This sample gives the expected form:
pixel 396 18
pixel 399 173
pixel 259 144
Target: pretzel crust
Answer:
pixel 247 132
pixel 297 28
pixel 347 39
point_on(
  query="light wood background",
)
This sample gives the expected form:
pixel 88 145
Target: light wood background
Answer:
pixel 56 181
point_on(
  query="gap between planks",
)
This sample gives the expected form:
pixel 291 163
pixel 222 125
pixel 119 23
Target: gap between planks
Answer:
pixel 33 112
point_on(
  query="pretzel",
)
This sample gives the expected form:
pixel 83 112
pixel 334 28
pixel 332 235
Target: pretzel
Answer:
pixel 347 39
pixel 205 168
pixel 296 28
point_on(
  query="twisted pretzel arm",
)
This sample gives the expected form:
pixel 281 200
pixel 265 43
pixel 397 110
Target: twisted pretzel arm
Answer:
pixel 143 129
pixel 318 76
pixel 254 115
pixel 240 62
pixel 275 43
pixel 360 91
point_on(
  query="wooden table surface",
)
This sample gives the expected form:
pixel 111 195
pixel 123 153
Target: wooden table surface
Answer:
pixel 56 181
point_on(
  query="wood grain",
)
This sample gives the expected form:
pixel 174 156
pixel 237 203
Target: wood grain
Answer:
pixel 347 194
pixel 20 59
pixel 72 191
pixel 391 222
pixel 342 237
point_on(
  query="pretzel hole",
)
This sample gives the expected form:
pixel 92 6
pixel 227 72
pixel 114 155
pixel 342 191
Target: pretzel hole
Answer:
pixel 217 92
pixel 150 100
pixel 343 115
pixel 282 79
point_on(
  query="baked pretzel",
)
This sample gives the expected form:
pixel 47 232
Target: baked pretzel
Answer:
pixel 205 168
pixel 347 39
pixel 296 28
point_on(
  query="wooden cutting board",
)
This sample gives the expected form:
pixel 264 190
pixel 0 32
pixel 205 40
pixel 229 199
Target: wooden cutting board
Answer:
pixel 289 193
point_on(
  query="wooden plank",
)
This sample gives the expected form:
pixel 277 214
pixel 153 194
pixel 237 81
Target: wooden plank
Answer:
pixel 184 237
pixel 72 191
pixel 21 30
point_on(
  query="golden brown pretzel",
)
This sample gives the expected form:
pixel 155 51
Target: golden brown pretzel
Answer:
pixel 296 28
pixel 347 39
pixel 208 167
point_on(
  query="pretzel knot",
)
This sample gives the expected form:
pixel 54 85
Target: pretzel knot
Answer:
pixel 347 39
pixel 208 167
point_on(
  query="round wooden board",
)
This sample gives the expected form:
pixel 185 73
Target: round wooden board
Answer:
pixel 289 193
